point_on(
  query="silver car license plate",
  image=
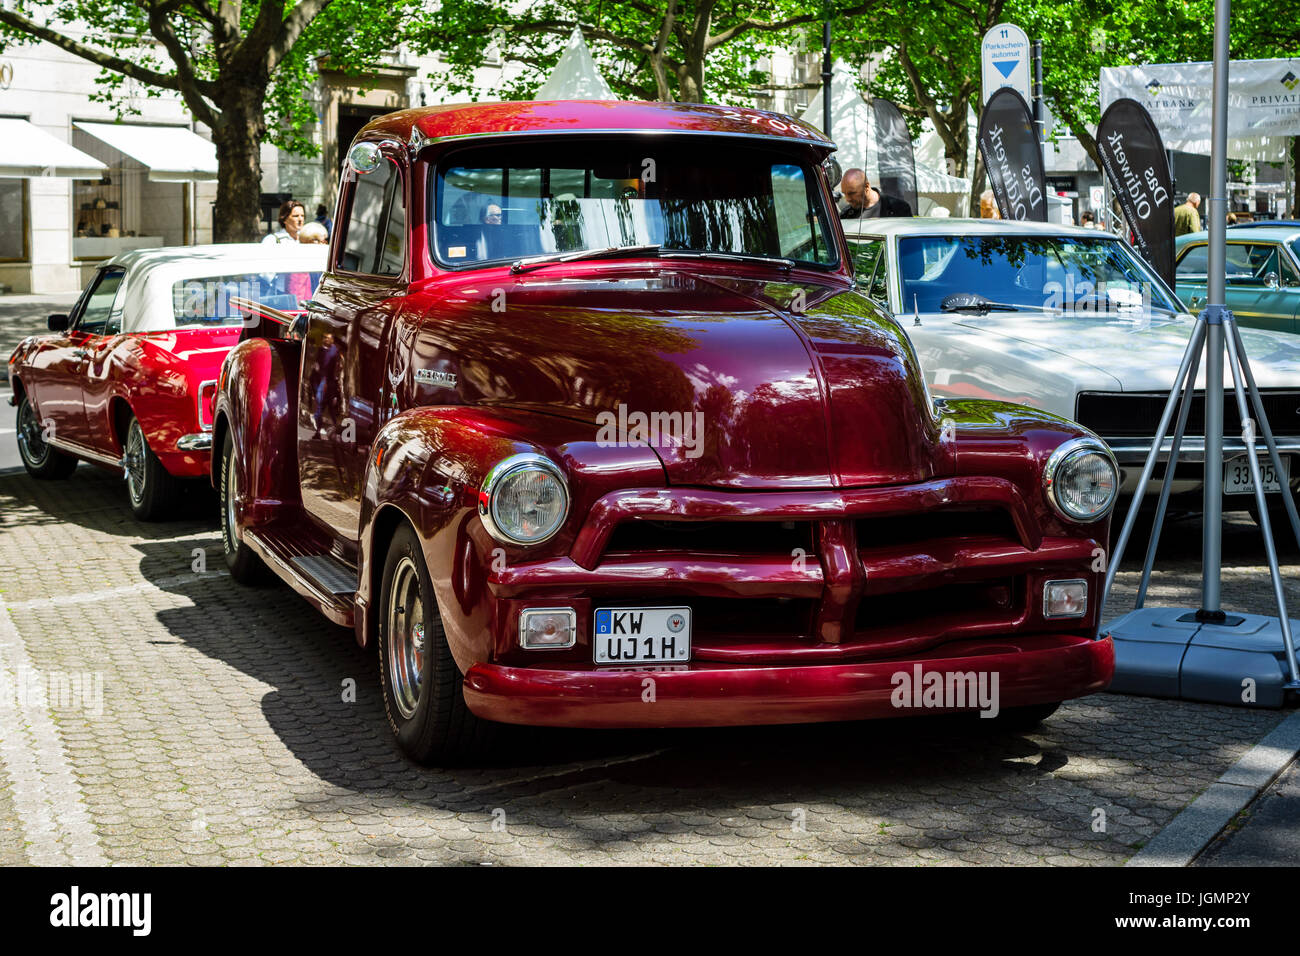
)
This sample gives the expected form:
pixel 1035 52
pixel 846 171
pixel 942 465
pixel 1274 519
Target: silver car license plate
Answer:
pixel 1236 475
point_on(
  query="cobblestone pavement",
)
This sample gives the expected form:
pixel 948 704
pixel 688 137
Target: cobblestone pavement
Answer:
pixel 224 736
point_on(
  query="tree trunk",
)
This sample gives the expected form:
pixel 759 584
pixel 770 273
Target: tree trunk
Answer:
pixel 238 138
pixel 1295 174
pixel 976 185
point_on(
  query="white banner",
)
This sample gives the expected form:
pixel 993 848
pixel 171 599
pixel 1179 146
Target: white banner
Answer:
pixel 1263 103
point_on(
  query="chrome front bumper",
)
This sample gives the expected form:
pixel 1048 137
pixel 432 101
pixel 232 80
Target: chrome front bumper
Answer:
pixel 1131 455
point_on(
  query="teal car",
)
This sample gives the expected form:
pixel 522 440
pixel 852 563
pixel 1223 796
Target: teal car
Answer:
pixel 1263 275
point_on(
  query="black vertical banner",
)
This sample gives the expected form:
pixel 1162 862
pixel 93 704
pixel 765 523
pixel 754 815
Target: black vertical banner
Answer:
pixel 895 158
pixel 1013 158
pixel 1134 159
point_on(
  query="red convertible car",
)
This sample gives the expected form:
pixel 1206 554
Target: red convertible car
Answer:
pixel 586 426
pixel 128 379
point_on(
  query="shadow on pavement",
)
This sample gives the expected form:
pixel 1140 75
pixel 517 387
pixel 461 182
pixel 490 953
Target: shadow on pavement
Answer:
pixel 95 499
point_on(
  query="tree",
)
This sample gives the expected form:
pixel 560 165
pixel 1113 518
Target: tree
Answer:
pixel 650 49
pixel 932 68
pixel 242 68
pixel 932 53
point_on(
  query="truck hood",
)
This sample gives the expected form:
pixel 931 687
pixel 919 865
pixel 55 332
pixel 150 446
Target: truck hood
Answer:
pixel 733 382
pixel 1142 352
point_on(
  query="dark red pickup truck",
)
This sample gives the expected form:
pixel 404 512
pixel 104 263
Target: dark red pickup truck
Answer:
pixel 586 426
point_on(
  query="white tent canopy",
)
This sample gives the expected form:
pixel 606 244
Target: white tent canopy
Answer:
pixel 853 128
pixel 852 122
pixel 1263 96
pixel 173 154
pixel 575 77
pixel 28 152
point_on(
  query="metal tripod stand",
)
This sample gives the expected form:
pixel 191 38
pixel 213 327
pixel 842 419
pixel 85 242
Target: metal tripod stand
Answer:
pixel 1215 327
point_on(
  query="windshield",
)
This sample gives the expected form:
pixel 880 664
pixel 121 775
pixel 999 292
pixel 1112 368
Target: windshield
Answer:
pixel 510 202
pixel 1029 272
pixel 220 300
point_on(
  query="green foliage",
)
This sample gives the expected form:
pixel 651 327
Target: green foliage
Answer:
pixel 354 34
pixel 622 38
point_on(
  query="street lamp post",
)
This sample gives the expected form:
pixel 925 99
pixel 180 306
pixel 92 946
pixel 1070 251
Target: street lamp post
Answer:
pixel 826 79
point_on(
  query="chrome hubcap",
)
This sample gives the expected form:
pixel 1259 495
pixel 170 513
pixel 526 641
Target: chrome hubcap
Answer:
pixel 231 488
pixel 30 440
pixel 133 462
pixel 405 637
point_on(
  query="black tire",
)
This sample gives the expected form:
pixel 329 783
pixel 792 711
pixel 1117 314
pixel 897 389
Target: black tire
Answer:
pixel 1024 718
pixel 244 564
pixel 41 459
pixel 150 488
pixel 423 696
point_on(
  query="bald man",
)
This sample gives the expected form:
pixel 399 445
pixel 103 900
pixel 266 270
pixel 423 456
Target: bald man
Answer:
pixel 863 202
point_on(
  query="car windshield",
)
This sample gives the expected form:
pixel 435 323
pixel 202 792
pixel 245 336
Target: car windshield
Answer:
pixel 1043 273
pixel 224 299
pixel 510 202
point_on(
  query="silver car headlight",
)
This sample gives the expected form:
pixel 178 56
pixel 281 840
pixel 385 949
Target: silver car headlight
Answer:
pixel 1081 480
pixel 524 500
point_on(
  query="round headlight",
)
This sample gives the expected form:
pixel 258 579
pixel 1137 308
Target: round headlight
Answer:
pixel 1082 480
pixel 524 500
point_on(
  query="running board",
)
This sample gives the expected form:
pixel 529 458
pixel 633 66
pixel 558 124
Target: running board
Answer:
pixel 322 579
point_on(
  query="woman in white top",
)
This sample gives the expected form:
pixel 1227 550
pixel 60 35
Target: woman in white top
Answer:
pixel 292 216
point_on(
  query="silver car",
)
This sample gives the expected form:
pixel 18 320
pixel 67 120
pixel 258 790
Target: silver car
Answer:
pixel 1069 320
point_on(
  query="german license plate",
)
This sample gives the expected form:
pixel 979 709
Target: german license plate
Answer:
pixel 642 635
pixel 1236 475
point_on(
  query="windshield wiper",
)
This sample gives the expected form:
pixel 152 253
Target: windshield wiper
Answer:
pixel 974 302
pixel 521 265
pixel 728 256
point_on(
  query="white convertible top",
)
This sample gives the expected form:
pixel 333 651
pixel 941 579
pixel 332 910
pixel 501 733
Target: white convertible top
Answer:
pixel 146 298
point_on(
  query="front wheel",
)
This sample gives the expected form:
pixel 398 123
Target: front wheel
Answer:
pixel 151 489
pixel 423 696
pixel 245 566
pixel 41 459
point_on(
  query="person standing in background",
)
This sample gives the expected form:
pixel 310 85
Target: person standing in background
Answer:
pixel 863 202
pixel 1186 218
pixel 292 216
pixel 988 208
pixel 323 217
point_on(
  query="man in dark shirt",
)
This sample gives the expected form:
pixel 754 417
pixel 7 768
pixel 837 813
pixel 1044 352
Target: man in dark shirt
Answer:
pixel 863 202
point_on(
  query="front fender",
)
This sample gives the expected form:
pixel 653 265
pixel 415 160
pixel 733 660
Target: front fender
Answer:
pixel 426 467
pixel 1003 440
pixel 257 407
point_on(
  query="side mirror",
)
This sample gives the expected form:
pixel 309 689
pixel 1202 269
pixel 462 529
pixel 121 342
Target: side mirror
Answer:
pixel 58 322
pixel 833 171
pixel 1270 280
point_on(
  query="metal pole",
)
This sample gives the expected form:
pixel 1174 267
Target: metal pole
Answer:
pixel 1217 215
pixel 1038 91
pixel 826 79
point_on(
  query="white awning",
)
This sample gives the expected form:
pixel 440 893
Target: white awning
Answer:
pixel 28 152
pixel 173 154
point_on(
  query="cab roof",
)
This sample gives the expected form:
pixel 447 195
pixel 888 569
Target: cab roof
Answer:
pixel 452 121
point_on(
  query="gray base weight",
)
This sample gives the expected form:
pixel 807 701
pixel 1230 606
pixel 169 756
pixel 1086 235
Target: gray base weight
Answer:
pixel 1158 655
